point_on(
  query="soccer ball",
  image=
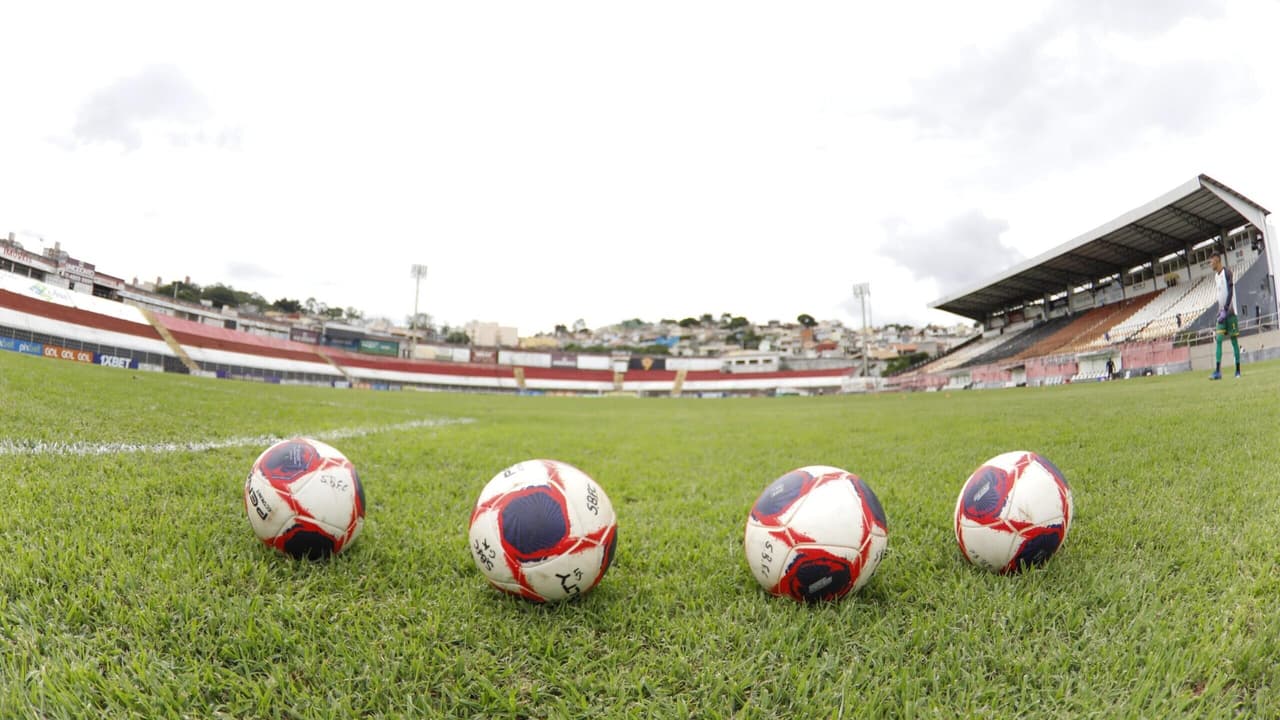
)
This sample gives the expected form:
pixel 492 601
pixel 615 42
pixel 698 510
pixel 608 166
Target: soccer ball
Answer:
pixel 543 530
pixel 304 499
pixel 1013 512
pixel 816 533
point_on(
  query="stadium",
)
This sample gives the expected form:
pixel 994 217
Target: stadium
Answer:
pixel 1135 295
pixel 1136 292
pixel 132 585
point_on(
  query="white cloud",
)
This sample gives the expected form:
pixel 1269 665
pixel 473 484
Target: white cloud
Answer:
pixel 157 102
pixel 963 250
pixel 607 162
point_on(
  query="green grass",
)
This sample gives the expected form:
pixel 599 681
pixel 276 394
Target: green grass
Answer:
pixel 132 586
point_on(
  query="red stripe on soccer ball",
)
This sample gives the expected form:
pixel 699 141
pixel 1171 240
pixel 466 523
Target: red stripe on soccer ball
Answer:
pixel 1020 466
pixel 790 537
pixel 604 541
pixel 553 473
pixel 484 507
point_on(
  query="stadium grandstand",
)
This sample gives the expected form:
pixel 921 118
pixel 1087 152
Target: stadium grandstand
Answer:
pixel 88 317
pixel 1135 295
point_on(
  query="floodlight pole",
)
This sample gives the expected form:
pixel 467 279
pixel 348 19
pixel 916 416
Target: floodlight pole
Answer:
pixel 417 272
pixel 862 291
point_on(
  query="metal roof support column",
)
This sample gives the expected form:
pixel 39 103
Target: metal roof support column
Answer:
pixel 1268 255
pixel 1186 257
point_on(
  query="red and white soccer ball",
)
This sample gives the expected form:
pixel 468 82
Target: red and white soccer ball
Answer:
pixel 543 530
pixel 1013 512
pixel 305 499
pixel 816 533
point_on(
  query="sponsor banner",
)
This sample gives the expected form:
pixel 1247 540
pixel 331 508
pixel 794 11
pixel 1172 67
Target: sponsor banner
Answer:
pixel 310 337
pixel 25 347
pixel 484 356
pixel 25 258
pixel 380 347
pixel 77 270
pixel 117 361
pixel 564 360
pixel 342 343
pixel 55 351
pixel 114 283
pixel 647 363
pixel 524 358
pixel 595 362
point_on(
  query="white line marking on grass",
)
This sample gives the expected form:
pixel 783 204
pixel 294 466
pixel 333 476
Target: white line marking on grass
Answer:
pixel 39 447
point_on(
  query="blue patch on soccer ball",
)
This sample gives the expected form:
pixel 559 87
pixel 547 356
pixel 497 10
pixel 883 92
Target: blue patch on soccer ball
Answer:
pixel 533 523
pixel 1053 469
pixel 985 493
pixel 872 501
pixel 780 494
pixel 309 545
pixel 355 477
pixel 288 461
pixel 820 577
pixel 1037 550
pixel 608 552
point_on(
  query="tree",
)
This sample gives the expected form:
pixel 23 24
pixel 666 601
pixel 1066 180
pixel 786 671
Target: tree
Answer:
pixel 688 322
pixel 179 290
pixel 311 306
pixel 333 313
pixel 457 337
pixel 421 321
pixel 806 320
pixel 738 322
pixel 220 295
pixel 353 313
pixel 561 330
pixel 902 362
pixel 746 337
pixel 286 305
pixel 706 319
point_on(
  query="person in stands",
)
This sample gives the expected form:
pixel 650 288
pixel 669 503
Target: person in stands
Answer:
pixel 1228 322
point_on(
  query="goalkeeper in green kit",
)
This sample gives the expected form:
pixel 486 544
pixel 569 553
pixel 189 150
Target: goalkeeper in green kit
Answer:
pixel 1228 323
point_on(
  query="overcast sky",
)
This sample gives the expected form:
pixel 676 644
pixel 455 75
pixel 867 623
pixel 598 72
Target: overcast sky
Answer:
pixel 551 162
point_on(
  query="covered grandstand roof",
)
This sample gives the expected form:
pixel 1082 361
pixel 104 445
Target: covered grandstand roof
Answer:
pixel 1183 217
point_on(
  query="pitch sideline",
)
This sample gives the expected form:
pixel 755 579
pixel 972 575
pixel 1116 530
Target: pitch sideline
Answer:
pixel 34 447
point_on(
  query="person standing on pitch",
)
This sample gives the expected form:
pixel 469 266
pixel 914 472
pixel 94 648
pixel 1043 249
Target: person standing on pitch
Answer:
pixel 1228 323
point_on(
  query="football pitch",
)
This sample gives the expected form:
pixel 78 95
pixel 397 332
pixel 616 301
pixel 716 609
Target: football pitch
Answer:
pixel 131 585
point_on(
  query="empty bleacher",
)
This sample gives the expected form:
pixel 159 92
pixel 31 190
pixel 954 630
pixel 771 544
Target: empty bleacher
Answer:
pixel 963 355
pixel 1017 344
pixel 1108 317
pixel 1165 304
pixel 1081 329
pixel 1201 297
